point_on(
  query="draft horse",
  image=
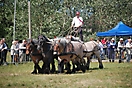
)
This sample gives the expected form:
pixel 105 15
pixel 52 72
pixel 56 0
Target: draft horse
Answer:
pixel 70 51
pixel 45 45
pixel 35 55
pixel 92 48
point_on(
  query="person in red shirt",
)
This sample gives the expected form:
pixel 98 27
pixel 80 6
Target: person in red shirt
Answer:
pixel 103 41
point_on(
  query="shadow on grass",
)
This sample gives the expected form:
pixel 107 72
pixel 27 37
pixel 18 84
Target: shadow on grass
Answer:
pixel 96 68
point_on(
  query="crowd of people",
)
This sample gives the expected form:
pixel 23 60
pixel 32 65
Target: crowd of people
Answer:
pixel 17 51
pixel 111 49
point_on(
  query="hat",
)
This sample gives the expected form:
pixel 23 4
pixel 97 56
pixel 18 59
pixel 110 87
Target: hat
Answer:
pixel 23 41
pixel 13 42
pixel 112 39
pixel 77 13
pixel 129 39
pixel 121 38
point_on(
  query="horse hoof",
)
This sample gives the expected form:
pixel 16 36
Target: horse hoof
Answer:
pixel 73 71
pixel 77 69
pixel 46 71
pixel 87 68
pixel 68 72
pixel 40 72
pixel 101 66
pixel 83 69
pixel 33 72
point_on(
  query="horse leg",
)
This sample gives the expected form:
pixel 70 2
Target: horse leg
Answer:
pixel 53 65
pixel 78 66
pixel 61 66
pixel 88 63
pixel 39 70
pixel 68 68
pixel 83 65
pixel 43 67
pixel 47 68
pixel 35 69
pixel 99 59
pixel 73 69
pixel 53 68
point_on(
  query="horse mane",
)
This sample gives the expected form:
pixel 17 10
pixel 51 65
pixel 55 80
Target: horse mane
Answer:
pixel 33 41
pixel 42 36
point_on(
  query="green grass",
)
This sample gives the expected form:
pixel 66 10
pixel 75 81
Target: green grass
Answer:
pixel 114 75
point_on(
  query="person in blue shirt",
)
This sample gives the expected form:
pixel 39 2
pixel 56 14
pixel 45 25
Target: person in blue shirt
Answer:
pixel 108 48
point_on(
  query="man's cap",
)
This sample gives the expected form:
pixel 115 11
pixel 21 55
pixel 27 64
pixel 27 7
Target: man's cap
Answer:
pixel 77 13
pixel 112 39
pixel 121 38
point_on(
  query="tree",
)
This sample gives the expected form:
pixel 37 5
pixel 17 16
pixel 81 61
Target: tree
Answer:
pixel 53 17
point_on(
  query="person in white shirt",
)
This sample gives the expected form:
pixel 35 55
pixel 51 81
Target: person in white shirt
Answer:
pixel 14 54
pixel 121 48
pixel 101 49
pixel 76 24
pixel 129 50
pixel 22 51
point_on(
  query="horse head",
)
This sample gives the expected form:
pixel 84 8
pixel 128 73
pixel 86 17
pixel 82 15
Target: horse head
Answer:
pixel 58 47
pixel 42 39
pixel 63 46
pixel 30 46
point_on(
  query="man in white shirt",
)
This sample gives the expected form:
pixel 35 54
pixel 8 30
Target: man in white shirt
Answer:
pixel 77 23
pixel 121 48
pixel 101 49
pixel 22 51
pixel 129 50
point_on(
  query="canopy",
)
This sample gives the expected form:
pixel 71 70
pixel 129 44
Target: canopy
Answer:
pixel 119 30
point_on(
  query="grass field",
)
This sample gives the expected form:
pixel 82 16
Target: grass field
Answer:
pixel 114 75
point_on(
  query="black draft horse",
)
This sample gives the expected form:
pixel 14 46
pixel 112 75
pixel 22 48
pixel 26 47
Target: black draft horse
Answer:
pixel 45 45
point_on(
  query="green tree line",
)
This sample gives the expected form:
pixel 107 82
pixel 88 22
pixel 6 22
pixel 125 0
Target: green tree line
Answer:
pixel 53 17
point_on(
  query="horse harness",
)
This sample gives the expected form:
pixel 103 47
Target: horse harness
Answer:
pixel 65 44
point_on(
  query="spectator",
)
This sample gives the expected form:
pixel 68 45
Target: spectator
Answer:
pixel 3 47
pixel 112 50
pixel 121 48
pixel 127 40
pixel 101 49
pixel 5 50
pixel 104 40
pixel 14 52
pixel 128 50
pixel 108 49
pixel 22 51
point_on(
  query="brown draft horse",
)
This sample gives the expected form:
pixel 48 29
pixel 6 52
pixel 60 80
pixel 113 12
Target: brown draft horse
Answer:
pixel 70 51
pixel 35 55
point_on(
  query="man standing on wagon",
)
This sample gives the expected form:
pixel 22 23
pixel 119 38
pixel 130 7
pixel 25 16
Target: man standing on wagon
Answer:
pixel 77 23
